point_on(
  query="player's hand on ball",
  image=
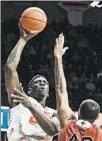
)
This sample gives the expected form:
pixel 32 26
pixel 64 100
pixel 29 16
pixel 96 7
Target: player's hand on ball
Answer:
pixel 27 35
pixel 59 50
pixel 19 96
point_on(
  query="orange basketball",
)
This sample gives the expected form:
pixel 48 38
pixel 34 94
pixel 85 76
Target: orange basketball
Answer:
pixel 33 19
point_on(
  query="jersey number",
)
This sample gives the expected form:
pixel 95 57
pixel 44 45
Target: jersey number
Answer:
pixel 74 138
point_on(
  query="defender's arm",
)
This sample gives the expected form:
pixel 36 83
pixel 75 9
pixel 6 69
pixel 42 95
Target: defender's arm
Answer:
pixel 64 111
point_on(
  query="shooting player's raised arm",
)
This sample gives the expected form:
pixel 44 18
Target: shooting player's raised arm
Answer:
pixel 11 75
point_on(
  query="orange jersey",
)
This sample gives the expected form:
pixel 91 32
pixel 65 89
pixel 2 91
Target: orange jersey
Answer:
pixel 80 131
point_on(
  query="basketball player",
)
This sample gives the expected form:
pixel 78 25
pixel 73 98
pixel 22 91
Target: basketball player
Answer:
pixel 72 129
pixel 30 120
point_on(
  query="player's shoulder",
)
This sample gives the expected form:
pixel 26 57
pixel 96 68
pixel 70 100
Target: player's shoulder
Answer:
pixel 70 124
pixel 86 124
pixel 17 110
pixel 19 106
pixel 83 123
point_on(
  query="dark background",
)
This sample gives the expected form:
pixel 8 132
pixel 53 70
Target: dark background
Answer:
pixel 83 61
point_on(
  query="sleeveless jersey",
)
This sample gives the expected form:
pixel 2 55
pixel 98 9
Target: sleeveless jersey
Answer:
pixel 24 127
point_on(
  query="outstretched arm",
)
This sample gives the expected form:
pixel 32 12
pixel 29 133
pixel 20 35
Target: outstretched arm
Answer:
pixel 11 75
pixel 49 125
pixel 64 111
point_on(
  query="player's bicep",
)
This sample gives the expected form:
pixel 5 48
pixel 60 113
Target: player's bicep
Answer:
pixel 64 114
pixel 64 111
pixel 11 81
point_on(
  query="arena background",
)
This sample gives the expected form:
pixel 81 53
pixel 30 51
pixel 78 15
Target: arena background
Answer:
pixel 82 27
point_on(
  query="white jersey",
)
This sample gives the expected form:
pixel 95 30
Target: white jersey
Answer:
pixel 24 127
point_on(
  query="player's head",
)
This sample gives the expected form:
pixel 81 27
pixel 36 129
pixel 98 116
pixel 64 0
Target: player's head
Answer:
pixel 38 87
pixel 89 110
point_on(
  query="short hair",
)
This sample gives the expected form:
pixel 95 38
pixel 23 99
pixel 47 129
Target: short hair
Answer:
pixel 89 110
pixel 32 80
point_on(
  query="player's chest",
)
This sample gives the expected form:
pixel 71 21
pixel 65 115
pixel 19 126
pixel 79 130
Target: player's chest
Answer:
pixel 29 124
pixel 29 118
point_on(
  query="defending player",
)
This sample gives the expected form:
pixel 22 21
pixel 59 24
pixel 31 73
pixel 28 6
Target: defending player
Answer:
pixel 31 120
pixel 72 129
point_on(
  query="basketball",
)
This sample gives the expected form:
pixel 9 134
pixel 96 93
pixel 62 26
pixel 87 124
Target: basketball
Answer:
pixel 33 19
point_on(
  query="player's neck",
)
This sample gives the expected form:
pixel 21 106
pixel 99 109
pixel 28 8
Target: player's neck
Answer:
pixel 90 121
pixel 43 102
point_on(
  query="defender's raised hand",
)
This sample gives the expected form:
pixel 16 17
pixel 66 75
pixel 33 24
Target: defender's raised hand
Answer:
pixel 59 50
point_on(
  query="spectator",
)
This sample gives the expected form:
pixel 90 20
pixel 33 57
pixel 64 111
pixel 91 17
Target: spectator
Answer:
pixel 90 86
pixel 99 74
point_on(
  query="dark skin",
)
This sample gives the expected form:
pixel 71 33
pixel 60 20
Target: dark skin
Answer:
pixel 40 90
pixel 11 75
pixel 15 92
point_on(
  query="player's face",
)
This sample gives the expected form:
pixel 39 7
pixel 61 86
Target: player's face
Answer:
pixel 40 88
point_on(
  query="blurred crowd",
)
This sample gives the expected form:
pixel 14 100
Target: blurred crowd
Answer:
pixel 82 62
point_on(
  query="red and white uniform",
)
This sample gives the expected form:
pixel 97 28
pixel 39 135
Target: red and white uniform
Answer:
pixel 80 131
pixel 24 127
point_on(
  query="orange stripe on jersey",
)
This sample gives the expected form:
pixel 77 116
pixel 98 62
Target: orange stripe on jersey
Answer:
pixel 32 120
pixel 74 132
